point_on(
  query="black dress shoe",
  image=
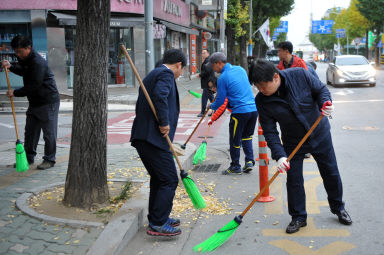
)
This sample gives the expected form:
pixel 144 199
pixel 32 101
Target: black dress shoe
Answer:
pixel 295 226
pixel 344 217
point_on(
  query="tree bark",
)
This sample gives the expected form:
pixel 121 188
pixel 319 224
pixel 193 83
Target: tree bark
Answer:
pixel 86 181
pixel 243 52
pixel 231 50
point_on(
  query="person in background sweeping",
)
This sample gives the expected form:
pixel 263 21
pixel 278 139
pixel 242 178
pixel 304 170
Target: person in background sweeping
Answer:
pixel 148 139
pixel 294 99
pixel 206 76
pixel 43 97
pixel 233 84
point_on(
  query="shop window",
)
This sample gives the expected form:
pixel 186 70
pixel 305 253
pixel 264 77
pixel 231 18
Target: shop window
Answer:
pixel 119 70
pixel 7 32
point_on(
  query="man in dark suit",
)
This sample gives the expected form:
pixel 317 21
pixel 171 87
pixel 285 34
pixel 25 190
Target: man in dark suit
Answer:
pixel 206 75
pixel 148 139
pixel 294 98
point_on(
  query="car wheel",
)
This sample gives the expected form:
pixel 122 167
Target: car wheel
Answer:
pixel 372 84
pixel 333 83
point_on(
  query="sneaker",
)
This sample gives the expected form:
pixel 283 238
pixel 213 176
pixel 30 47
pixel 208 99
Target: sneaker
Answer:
pixel 231 171
pixel 200 115
pixel 45 165
pixel 173 222
pixel 248 167
pixel 164 230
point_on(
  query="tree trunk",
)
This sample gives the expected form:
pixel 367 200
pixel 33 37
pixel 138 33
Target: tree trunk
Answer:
pixel 243 52
pixel 366 45
pixel 86 181
pixel 231 50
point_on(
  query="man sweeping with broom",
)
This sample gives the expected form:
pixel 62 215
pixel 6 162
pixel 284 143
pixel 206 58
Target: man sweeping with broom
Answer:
pixel 43 97
pixel 294 99
pixel 148 139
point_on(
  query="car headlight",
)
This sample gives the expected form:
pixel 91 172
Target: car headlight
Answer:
pixel 339 72
pixel 372 72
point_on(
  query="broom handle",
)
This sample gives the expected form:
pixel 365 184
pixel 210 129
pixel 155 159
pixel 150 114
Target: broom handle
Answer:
pixel 149 101
pixel 12 105
pixel 207 133
pixel 289 158
pixel 198 124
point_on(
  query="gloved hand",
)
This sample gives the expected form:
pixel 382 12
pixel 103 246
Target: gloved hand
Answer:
pixel 210 122
pixel 327 109
pixel 283 165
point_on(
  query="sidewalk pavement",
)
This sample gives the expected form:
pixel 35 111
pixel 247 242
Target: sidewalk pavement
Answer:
pixel 20 233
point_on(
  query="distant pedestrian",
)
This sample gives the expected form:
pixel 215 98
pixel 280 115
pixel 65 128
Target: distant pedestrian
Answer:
pixel 287 59
pixel 234 86
pixel 294 99
pixel 148 139
pixel 43 97
pixel 206 75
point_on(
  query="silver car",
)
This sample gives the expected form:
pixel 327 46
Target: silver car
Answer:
pixel 350 69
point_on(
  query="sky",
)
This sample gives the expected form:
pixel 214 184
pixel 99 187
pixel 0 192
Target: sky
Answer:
pixel 299 18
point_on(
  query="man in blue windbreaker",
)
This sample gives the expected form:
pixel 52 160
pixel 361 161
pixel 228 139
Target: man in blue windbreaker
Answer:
pixel 294 99
pixel 233 84
pixel 148 139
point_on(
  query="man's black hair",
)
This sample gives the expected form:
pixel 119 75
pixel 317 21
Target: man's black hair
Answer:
pixel 287 45
pixel 173 56
pixel 21 41
pixel 261 70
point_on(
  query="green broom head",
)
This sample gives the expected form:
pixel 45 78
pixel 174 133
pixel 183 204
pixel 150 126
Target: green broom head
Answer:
pixel 221 236
pixel 200 153
pixel 192 190
pixel 195 94
pixel 21 158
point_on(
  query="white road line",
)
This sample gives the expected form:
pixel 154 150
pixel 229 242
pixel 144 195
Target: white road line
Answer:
pixel 6 125
pixel 359 101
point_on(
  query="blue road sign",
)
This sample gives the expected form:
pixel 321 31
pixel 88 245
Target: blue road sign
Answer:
pixel 340 33
pixel 283 28
pixel 275 33
pixel 274 38
pixel 364 40
pixel 322 26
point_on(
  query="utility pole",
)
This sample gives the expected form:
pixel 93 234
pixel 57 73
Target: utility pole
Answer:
pixel 222 25
pixel 250 28
pixel 148 20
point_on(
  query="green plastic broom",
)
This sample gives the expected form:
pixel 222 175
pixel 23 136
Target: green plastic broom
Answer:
pixel 223 234
pixel 189 185
pixel 21 158
pixel 193 93
pixel 201 152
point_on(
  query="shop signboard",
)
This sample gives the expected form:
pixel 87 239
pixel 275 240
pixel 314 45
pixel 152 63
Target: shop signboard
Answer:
pixel 193 54
pixel 175 11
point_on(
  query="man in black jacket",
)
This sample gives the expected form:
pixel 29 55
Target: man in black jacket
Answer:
pixel 206 75
pixel 43 97
pixel 148 139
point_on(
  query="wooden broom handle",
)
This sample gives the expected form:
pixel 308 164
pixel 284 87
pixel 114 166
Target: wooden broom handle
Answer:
pixel 12 105
pixel 289 158
pixel 149 101
pixel 198 124
pixel 206 135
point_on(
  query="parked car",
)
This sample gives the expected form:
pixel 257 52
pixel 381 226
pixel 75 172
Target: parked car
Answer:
pixel 350 69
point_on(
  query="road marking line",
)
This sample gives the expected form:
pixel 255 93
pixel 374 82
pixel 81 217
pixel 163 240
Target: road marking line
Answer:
pixel 358 101
pixel 309 230
pixel 293 248
pixel 313 204
pixel 6 125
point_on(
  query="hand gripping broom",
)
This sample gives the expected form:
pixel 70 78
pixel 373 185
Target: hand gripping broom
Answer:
pixel 21 158
pixel 201 152
pixel 189 184
pixel 223 234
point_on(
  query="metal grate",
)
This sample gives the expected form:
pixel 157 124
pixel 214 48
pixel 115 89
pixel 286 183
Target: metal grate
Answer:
pixel 206 168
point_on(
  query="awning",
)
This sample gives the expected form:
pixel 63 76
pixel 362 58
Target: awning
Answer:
pixel 70 20
pixel 179 28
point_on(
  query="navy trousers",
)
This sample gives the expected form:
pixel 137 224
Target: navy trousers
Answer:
pixel 325 158
pixel 241 129
pixel 161 167
pixel 207 94
pixel 41 118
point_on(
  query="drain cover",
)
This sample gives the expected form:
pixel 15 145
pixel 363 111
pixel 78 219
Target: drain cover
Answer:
pixel 206 168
